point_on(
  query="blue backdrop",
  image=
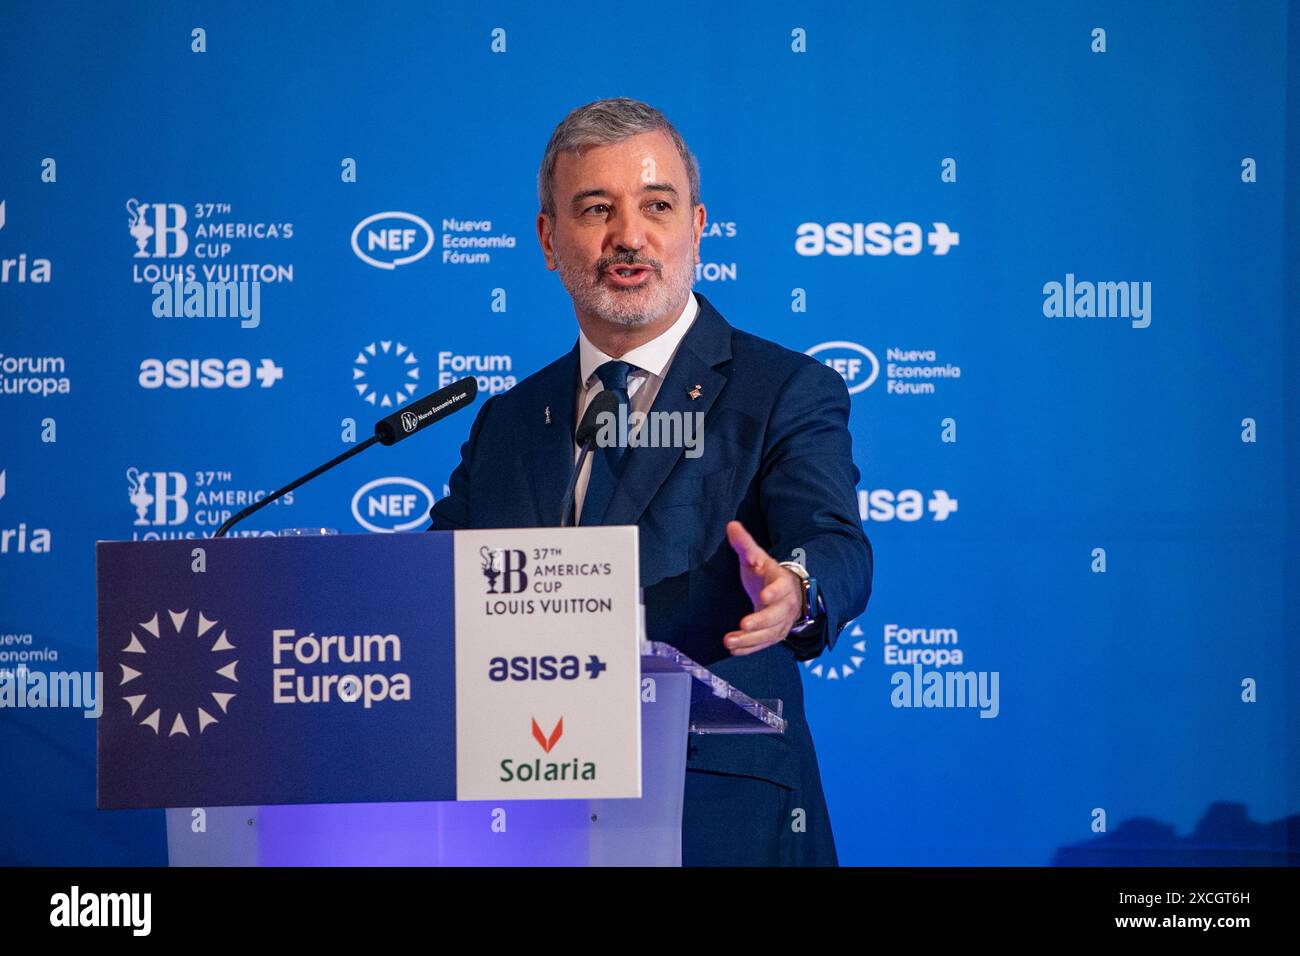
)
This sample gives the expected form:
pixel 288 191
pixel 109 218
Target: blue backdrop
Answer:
pixel 1084 488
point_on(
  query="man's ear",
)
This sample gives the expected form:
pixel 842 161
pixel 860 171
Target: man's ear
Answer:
pixel 700 217
pixel 546 237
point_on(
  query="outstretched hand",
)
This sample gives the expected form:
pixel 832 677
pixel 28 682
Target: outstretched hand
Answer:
pixel 775 591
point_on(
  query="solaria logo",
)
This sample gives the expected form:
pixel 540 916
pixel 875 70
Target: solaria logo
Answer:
pixel 547 771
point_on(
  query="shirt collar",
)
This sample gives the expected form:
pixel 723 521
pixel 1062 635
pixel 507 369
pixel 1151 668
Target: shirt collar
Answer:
pixel 652 356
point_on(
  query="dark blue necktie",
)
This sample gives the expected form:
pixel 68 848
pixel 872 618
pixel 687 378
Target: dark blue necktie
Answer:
pixel 605 462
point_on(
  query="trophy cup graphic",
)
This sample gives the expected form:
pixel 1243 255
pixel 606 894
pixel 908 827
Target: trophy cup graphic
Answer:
pixel 140 497
pixel 491 566
pixel 140 229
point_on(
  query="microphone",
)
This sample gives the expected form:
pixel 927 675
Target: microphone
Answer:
pixel 585 436
pixel 417 416
pixel 425 411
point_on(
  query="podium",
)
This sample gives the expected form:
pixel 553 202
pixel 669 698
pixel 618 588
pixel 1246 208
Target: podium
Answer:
pixel 444 698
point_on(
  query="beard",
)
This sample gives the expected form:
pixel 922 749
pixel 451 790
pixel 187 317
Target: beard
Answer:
pixel 663 291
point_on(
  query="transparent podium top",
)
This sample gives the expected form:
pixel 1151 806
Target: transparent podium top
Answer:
pixel 716 706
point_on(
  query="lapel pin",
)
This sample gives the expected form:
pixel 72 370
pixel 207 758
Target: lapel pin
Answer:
pixel 695 392
pixel 548 414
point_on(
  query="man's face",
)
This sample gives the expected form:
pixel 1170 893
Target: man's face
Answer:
pixel 625 238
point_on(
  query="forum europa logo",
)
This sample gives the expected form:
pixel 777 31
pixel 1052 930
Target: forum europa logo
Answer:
pixel 847 658
pixel 385 373
pixel 200 677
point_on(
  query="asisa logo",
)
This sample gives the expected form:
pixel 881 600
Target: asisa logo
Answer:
pixel 387 240
pixel 908 504
pixel 873 238
pixel 544 667
pixel 547 771
pixel 857 364
pixel 207 373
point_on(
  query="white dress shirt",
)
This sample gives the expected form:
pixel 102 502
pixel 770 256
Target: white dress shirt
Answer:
pixel 652 360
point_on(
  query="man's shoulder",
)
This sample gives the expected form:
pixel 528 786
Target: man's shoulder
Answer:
pixel 774 364
pixel 749 348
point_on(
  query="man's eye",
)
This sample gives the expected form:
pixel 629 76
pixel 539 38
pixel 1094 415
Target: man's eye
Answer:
pixel 599 206
pixel 661 205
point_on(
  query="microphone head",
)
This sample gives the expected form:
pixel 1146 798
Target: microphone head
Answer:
pixel 423 412
pixel 603 402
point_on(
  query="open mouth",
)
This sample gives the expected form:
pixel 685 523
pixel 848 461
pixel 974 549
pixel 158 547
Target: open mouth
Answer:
pixel 628 276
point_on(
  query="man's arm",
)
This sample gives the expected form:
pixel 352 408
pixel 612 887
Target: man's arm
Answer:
pixel 453 511
pixel 808 494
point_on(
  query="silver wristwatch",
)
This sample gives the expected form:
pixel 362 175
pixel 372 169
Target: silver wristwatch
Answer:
pixel 810 603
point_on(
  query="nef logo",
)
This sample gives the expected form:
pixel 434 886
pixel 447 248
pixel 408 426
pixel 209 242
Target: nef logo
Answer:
pixel 391 504
pixel 410 422
pixel 163 491
pixel 505 567
pixel 387 240
pixel 857 365
pixel 161 222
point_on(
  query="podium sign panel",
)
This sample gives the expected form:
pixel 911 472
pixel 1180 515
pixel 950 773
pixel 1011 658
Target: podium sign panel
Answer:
pixel 547 664
pixel 341 669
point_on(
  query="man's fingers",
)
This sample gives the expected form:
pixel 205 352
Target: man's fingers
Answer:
pixel 766 617
pixel 747 642
pixel 786 585
pixel 746 548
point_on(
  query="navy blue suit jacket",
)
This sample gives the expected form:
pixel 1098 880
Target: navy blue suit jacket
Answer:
pixel 777 456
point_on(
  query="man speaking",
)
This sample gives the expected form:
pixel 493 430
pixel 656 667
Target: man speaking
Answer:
pixel 752 554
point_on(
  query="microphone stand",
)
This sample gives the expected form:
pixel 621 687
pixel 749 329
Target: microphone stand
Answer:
pixel 567 504
pixel 258 505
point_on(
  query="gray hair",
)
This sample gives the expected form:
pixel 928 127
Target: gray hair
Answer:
pixel 602 123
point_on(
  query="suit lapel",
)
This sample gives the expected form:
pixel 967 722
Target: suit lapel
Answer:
pixel 547 449
pixel 703 348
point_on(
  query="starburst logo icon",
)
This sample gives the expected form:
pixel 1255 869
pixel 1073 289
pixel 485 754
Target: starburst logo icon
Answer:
pixel 385 373
pixel 184 648
pixel 818 666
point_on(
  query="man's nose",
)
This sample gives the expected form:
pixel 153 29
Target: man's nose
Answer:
pixel 626 234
